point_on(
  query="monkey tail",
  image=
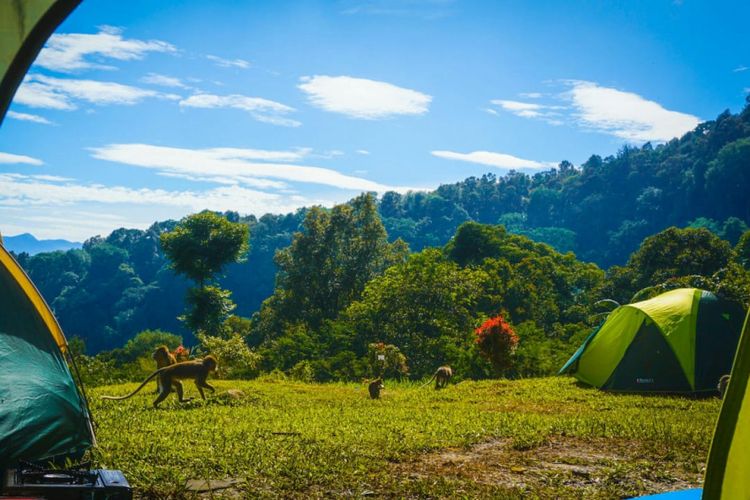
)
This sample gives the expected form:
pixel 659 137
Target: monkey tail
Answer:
pixel 428 382
pixel 143 384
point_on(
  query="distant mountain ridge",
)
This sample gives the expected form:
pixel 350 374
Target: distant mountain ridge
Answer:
pixel 28 243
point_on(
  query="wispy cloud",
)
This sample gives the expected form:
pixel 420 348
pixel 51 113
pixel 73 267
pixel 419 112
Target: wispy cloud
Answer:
pixel 28 117
pixel 591 106
pixel 498 160
pixel 422 9
pixel 164 81
pixel 363 152
pixel 363 98
pixel 231 165
pixel 625 114
pixel 40 91
pixel 98 209
pixel 739 69
pixel 67 52
pixel 228 63
pixel 263 110
pixel 9 158
pixel 548 113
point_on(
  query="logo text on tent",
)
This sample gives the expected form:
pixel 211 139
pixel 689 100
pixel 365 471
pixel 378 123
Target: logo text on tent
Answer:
pixel 644 381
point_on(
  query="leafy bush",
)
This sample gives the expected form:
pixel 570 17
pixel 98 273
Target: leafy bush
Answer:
pixel 497 341
pixel 235 358
pixel 386 361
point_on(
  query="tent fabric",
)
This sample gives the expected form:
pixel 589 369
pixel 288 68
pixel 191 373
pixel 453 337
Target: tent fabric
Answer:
pixel 680 341
pixel 42 414
pixel 729 457
pixel 24 27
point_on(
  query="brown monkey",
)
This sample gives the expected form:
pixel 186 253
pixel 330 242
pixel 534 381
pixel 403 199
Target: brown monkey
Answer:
pixel 441 376
pixel 722 387
pixel 375 387
pixel 163 358
pixel 197 370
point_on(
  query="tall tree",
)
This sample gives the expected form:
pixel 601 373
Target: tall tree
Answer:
pixel 199 247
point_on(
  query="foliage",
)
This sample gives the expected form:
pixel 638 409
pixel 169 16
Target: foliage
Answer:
pixel 202 244
pixel 235 358
pixel 497 342
pixel 386 361
pixel 144 344
pixel 208 309
pixel 327 265
pixel 292 440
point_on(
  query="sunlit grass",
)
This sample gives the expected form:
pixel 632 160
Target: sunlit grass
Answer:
pixel 295 439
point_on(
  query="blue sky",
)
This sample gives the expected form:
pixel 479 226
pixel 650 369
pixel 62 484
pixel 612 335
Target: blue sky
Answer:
pixel 141 111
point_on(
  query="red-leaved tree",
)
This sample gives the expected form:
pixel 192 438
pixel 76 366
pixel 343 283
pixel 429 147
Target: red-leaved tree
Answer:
pixel 497 341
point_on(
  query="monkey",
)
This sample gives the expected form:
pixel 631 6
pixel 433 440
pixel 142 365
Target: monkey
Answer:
pixel 197 370
pixel 722 387
pixel 163 358
pixel 375 387
pixel 441 376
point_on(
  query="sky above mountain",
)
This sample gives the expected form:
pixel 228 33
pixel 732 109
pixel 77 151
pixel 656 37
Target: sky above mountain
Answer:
pixel 140 111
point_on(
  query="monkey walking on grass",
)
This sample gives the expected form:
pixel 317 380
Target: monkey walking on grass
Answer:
pixel 441 377
pixel 170 376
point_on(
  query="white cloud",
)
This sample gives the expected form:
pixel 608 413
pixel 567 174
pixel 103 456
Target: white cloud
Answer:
pixel 28 117
pixel 625 114
pixel 499 160
pixel 68 52
pixel 263 110
pixel 8 158
pixel 232 165
pixel 53 209
pixel 608 110
pixel 362 98
pixel 229 63
pixel 164 81
pixel 40 91
pixel 740 69
pixel 549 113
pixel 531 95
pixel 363 152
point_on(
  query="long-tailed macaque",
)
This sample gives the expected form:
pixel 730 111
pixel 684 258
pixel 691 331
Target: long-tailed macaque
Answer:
pixel 197 370
pixel 163 358
pixel 375 387
pixel 722 387
pixel 441 377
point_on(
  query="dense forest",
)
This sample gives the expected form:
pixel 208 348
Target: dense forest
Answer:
pixel 324 285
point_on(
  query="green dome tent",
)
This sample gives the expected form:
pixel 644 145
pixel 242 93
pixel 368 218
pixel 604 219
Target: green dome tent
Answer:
pixel 680 341
pixel 42 415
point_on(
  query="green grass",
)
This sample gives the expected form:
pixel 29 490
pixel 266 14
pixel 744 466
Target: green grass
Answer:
pixel 535 437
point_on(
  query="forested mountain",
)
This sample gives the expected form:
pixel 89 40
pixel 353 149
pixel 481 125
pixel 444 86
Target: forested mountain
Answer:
pixel 116 286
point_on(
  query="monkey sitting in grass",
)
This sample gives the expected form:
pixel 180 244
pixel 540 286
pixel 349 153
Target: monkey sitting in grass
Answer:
pixel 375 387
pixel 441 377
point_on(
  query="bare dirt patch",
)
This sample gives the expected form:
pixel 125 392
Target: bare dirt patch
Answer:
pixel 561 462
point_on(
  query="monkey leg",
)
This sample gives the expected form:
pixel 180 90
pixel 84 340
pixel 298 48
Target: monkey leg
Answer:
pixel 162 395
pixel 180 394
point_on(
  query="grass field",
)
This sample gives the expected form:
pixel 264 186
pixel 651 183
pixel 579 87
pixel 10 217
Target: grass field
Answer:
pixel 533 438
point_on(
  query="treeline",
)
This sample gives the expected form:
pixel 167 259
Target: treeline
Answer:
pixel 119 285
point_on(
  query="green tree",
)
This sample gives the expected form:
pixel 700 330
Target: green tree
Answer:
pixel 327 265
pixel 199 247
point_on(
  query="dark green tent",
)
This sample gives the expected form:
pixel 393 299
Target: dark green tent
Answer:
pixel 42 414
pixel 680 341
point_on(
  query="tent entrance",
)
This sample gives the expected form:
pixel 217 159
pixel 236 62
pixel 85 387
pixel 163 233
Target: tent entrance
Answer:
pixel 649 365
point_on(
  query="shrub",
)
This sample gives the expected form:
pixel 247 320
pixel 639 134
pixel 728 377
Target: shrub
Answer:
pixel 497 341
pixel 386 361
pixel 235 358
